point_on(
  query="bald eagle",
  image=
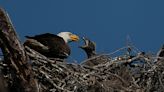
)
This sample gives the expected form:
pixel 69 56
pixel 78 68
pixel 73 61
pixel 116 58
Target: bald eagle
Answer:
pixel 51 45
pixel 93 58
pixel 89 47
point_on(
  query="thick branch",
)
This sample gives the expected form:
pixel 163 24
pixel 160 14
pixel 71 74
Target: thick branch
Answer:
pixel 14 53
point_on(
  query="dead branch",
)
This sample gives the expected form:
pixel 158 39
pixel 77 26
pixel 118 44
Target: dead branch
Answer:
pixel 14 54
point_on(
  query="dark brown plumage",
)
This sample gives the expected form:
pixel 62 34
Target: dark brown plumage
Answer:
pixel 51 45
pixel 89 47
pixel 94 59
pixel 160 53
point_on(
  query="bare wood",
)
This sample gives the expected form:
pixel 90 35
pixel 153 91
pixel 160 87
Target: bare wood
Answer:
pixel 15 55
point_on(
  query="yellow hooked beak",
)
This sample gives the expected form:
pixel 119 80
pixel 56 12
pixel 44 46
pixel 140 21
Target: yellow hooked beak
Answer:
pixel 74 37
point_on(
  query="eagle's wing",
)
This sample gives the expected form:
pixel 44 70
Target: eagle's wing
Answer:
pixel 56 45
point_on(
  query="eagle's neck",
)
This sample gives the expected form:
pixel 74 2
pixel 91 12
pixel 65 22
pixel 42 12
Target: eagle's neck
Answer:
pixel 90 53
pixel 65 38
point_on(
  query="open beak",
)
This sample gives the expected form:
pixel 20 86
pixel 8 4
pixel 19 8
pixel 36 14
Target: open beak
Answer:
pixel 85 43
pixel 74 37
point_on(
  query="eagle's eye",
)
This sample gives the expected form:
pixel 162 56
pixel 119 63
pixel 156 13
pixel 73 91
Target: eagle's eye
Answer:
pixel 70 34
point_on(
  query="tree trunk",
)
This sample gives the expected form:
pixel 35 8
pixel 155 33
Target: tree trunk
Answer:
pixel 15 57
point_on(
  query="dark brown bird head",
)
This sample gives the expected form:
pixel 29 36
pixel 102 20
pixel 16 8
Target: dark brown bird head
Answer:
pixel 89 47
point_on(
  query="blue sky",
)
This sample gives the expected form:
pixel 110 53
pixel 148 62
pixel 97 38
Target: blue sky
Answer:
pixel 107 22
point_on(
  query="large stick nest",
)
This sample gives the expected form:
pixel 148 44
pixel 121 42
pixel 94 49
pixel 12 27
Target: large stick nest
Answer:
pixel 139 73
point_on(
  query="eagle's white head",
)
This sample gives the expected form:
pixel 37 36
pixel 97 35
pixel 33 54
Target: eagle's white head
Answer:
pixel 68 36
